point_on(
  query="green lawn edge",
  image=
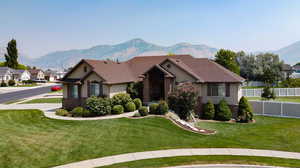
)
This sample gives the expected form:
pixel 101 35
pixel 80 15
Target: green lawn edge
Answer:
pixel 209 159
pixel 43 100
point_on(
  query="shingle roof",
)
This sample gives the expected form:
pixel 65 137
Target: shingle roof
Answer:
pixel 203 69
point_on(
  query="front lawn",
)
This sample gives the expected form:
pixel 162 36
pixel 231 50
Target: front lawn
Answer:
pixel 295 99
pixel 189 160
pixel 28 139
pixel 43 100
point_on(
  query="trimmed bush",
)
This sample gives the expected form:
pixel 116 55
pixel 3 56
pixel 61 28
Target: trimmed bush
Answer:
pixel 268 93
pixel 117 109
pixel 162 108
pixel 137 102
pixel 98 106
pixel 129 107
pixel 245 111
pixel 121 99
pixel 11 83
pixel 143 111
pixel 183 100
pixel 153 108
pixel 223 112
pixel 3 84
pixel 61 112
pixel 208 111
pixel 80 112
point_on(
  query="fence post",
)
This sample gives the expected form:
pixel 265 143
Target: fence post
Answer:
pixel 263 107
pixel 281 108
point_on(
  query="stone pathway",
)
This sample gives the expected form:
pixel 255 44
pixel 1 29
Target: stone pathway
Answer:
pixel 224 166
pixel 109 160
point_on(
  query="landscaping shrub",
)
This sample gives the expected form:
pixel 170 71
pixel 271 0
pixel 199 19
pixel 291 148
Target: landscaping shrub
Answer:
pixel 137 102
pixel 208 111
pixel 121 99
pixel 129 107
pixel 153 108
pixel 245 111
pixel 11 83
pixel 80 112
pixel 223 112
pixel 183 100
pixel 268 93
pixel 143 111
pixel 98 106
pixel 3 84
pixel 117 109
pixel 137 114
pixel 162 108
pixel 61 112
pixel 135 90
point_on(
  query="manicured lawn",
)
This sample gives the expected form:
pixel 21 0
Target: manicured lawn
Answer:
pixel 28 139
pixel 295 99
pixel 27 85
pixel 44 100
pixel 189 160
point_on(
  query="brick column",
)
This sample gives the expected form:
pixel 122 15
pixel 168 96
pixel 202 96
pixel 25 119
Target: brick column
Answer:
pixel 146 89
pixel 167 87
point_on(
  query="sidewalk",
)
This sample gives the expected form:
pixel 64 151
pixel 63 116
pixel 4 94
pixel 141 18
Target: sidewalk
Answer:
pixel 109 160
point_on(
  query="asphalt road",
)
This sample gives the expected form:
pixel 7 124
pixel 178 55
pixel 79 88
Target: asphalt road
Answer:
pixel 11 96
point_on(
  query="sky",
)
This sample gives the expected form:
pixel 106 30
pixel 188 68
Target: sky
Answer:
pixel 43 26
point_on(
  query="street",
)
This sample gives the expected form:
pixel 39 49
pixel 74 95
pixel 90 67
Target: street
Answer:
pixel 11 96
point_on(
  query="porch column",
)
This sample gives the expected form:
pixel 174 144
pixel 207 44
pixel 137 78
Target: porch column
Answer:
pixel 167 86
pixel 146 89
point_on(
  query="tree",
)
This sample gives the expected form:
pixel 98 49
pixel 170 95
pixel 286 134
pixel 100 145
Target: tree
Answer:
pixel 208 111
pixel 223 112
pixel 269 68
pixel 228 59
pixel 297 63
pixel 12 54
pixel 268 93
pixel 245 111
pixel 248 66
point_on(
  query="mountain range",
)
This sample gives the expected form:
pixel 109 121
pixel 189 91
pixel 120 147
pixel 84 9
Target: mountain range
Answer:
pixel 137 47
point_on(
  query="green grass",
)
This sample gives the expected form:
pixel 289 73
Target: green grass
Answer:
pixel 28 139
pixel 27 85
pixel 189 160
pixel 295 99
pixel 43 100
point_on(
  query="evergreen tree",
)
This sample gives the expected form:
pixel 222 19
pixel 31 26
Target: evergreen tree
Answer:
pixel 208 111
pixel 12 54
pixel 245 111
pixel 228 59
pixel 223 112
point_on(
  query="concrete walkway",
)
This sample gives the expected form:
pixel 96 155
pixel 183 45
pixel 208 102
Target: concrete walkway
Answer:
pixel 109 160
pixel 224 165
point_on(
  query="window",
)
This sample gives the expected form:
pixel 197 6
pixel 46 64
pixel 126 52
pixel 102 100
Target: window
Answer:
pixel 168 65
pixel 74 91
pixel 218 89
pixel 95 89
pixel 85 69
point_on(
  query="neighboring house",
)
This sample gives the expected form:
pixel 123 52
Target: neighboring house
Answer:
pixel 36 74
pixel 6 74
pixel 286 70
pixel 159 74
pixel 21 75
pixel 296 73
pixel 50 75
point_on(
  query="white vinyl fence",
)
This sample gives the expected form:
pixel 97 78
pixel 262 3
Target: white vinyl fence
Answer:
pixel 272 108
pixel 278 92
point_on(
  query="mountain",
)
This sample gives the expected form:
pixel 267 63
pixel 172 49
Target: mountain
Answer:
pixel 122 51
pixel 290 54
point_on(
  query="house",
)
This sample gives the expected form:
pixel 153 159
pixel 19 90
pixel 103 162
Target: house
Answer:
pixel 297 68
pixel 21 75
pixel 50 75
pixel 159 74
pixel 36 74
pixel 286 70
pixel 6 74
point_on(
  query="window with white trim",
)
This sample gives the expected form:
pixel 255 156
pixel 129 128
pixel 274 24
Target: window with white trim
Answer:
pixel 95 89
pixel 218 89
pixel 74 91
